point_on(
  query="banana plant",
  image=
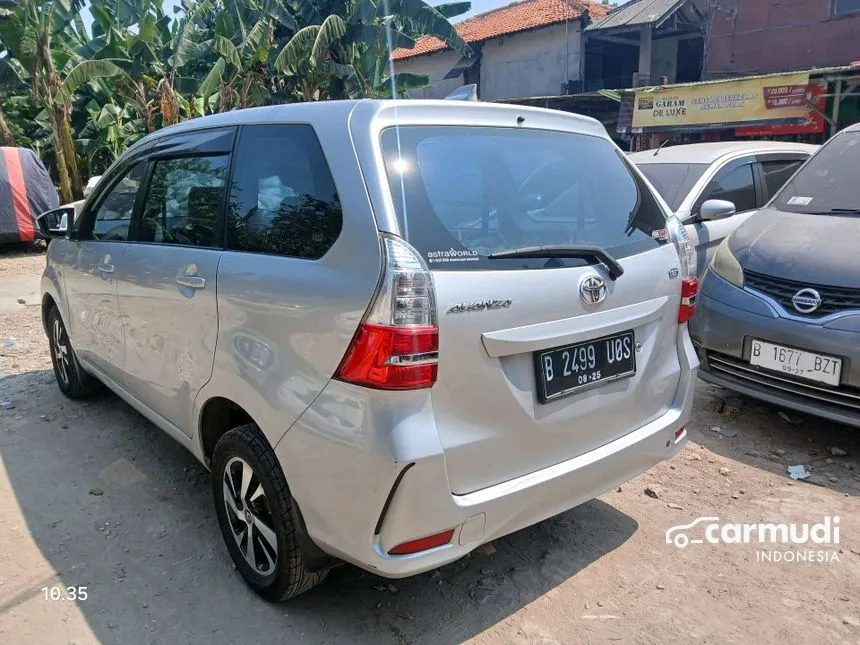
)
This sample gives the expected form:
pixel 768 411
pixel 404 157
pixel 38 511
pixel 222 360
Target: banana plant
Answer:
pixel 245 35
pixel 110 129
pixel 29 29
pixel 351 46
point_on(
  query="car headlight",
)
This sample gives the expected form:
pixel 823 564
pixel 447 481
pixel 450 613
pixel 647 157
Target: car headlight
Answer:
pixel 726 265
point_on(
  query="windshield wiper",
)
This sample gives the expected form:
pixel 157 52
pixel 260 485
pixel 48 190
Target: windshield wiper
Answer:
pixel 565 251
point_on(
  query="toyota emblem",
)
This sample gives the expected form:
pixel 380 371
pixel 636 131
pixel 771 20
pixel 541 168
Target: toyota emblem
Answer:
pixel 592 290
pixel 806 301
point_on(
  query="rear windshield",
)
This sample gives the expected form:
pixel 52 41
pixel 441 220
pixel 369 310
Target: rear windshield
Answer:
pixel 827 184
pixel 463 193
pixel 673 180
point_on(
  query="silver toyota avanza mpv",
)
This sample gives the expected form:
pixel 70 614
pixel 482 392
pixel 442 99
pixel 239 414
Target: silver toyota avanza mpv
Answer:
pixel 394 331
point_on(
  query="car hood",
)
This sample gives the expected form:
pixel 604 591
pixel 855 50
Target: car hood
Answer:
pixel 818 249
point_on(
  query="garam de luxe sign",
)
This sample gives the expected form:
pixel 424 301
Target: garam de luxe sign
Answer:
pixel 763 99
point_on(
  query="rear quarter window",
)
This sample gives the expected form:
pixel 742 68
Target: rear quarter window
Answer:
pixel 463 193
pixel 283 199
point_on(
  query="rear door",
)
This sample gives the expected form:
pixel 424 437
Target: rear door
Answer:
pixel 545 358
pixel 166 282
pixel 736 182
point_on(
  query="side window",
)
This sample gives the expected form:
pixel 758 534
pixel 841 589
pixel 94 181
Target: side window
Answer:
pixel 283 200
pixel 776 173
pixel 113 214
pixel 184 201
pixel 736 185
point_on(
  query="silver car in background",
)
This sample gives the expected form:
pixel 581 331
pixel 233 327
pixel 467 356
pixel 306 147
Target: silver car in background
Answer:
pixel 779 316
pixel 714 187
pixel 394 331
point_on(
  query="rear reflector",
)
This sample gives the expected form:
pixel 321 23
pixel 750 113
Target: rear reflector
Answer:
pixel 391 358
pixel 680 434
pixel 423 544
pixel 689 289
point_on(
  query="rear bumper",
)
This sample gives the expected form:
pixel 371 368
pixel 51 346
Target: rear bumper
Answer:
pixel 358 503
pixel 726 321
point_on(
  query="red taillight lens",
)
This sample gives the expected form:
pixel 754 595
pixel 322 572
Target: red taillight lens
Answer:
pixel 689 289
pixel 391 358
pixel 423 544
pixel 680 433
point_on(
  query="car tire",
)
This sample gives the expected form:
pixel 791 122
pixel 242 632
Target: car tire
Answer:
pixel 73 381
pixel 266 509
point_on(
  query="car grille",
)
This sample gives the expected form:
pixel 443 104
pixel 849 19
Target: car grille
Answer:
pixel 843 398
pixel 833 299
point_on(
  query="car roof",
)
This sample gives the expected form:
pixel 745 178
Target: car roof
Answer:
pixel 342 111
pixel 708 153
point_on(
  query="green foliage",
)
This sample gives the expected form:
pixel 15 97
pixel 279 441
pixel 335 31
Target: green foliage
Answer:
pixel 82 96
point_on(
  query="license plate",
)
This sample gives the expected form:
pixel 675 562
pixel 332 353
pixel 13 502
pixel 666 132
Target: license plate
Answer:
pixel 796 362
pixel 564 370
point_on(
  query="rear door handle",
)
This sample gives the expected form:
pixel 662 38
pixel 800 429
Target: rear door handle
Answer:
pixel 192 281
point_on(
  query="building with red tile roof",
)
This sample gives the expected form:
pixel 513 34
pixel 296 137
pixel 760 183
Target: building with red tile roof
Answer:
pixel 528 48
pixel 510 19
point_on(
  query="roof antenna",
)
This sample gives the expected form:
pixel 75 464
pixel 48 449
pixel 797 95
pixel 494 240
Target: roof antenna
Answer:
pixel 465 93
pixel 660 147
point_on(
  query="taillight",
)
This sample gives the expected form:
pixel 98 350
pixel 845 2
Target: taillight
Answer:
pixel 687 257
pixel 396 347
pixel 689 289
pixel 683 245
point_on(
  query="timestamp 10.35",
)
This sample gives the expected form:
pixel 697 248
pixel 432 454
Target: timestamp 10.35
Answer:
pixel 58 592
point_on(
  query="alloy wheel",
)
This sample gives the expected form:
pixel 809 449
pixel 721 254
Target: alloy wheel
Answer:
pixel 61 351
pixel 249 516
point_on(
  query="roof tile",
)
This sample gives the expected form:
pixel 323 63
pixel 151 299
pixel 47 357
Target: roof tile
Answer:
pixel 519 16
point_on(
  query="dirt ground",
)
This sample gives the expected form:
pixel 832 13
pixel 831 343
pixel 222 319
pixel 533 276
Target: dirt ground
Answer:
pixel 92 495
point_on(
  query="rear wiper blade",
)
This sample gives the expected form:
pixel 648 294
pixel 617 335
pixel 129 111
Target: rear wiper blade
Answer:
pixel 565 251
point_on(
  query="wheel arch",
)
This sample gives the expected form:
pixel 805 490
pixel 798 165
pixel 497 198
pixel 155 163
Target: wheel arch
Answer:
pixel 48 302
pixel 219 415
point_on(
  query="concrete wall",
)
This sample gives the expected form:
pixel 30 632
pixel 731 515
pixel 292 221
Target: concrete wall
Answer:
pixel 436 66
pixel 775 36
pixel 532 63
pixel 664 59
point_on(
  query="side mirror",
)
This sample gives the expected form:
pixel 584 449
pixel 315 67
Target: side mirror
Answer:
pixel 716 209
pixel 56 223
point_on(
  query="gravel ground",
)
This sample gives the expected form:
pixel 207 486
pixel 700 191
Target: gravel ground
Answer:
pixel 92 495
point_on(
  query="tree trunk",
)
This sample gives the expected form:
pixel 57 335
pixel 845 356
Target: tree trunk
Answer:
pixel 62 168
pixel 6 138
pixel 69 154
